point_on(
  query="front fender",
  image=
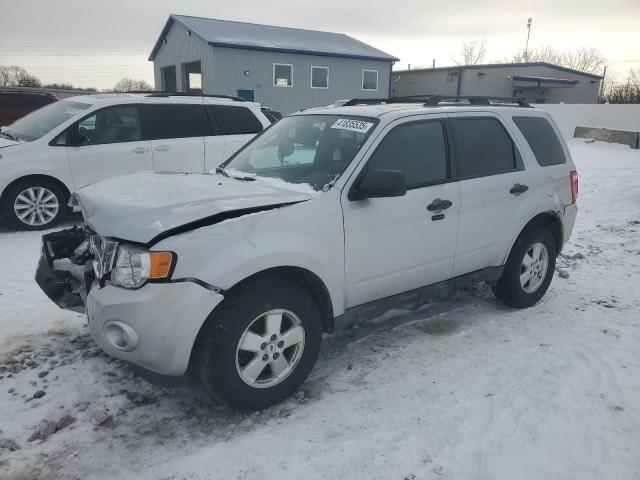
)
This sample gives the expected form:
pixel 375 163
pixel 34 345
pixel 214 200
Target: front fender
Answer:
pixel 308 235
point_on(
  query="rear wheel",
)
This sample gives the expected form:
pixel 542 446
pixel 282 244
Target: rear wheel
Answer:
pixel 260 344
pixel 34 204
pixel 529 269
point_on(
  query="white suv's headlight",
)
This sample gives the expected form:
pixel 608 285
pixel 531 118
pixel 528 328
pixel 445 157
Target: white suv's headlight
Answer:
pixel 134 266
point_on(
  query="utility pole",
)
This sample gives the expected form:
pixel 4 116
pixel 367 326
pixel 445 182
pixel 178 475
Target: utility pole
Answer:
pixel 433 63
pixel 526 48
pixel 604 75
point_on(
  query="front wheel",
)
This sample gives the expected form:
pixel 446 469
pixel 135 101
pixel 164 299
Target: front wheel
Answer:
pixel 529 269
pixel 260 345
pixel 34 204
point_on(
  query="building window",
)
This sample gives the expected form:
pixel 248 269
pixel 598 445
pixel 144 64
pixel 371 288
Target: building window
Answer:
pixel 192 77
pixel 282 75
pixel 369 80
pixel 319 77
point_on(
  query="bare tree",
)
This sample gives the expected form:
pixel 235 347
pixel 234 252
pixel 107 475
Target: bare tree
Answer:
pixel 623 92
pixel 14 76
pixel 472 52
pixel 539 54
pixel 131 85
pixel 585 59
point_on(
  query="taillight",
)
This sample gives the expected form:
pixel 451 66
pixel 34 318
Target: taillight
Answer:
pixel 574 186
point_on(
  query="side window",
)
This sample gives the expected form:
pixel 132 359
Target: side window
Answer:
pixel 484 147
pixel 369 80
pixel 110 125
pixel 542 139
pixel 232 120
pixel 418 149
pixel 282 75
pixel 177 121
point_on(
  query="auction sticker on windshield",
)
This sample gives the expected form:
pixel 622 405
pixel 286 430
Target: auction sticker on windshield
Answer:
pixel 353 125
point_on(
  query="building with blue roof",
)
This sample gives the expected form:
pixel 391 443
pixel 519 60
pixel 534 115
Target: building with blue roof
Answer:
pixel 282 68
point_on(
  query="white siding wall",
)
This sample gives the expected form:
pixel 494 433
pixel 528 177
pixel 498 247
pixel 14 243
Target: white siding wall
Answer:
pixel 345 78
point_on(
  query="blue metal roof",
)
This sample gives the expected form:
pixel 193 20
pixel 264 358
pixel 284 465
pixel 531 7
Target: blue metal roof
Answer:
pixel 252 36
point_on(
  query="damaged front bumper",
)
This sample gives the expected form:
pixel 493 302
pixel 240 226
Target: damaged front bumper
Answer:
pixel 65 269
pixel 153 327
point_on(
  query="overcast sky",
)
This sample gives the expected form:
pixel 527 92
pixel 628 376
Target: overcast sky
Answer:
pixel 95 43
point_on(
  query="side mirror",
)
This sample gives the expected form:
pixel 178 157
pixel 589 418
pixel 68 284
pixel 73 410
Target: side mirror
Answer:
pixel 380 183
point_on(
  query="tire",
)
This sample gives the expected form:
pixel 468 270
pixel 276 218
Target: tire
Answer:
pixel 225 369
pixel 24 196
pixel 518 293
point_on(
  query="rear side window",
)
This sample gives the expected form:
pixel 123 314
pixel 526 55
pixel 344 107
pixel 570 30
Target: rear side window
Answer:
pixel 542 139
pixel 484 147
pixel 417 149
pixel 177 121
pixel 232 120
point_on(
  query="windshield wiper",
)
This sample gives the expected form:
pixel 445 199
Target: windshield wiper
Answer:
pixel 246 179
pixel 9 136
pixel 221 171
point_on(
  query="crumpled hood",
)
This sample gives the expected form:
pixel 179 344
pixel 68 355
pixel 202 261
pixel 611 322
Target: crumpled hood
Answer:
pixel 143 207
pixel 5 142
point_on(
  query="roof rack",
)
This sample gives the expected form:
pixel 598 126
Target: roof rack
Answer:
pixel 442 100
pixel 159 93
pixel 435 100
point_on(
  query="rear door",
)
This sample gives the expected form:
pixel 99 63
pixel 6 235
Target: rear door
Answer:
pixel 237 124
pixel 107 143
pixel 496 191
pixel 176 132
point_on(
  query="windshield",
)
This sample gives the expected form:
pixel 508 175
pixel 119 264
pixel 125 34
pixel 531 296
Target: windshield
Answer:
pixel 304 149
pixel 43 120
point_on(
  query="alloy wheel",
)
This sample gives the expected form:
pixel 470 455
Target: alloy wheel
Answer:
pixel 270 348
pixel 36 206
pixel 533 269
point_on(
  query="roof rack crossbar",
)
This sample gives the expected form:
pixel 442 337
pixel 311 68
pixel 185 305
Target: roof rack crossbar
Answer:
pixel 442 100
pixel 435 100
pixel 159 93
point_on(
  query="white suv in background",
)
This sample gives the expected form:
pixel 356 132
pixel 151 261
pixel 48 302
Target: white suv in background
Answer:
pixel 52 152
pixel 329 217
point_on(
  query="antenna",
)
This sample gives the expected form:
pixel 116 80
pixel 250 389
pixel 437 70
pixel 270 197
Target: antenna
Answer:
pixel 526 48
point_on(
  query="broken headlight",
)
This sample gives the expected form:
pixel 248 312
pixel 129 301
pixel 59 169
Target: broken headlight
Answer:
pixel 134 266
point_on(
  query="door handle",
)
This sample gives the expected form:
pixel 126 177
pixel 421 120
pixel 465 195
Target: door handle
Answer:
pixel 162 148
pixel 140 150
pixel 517 189
pixel 439 204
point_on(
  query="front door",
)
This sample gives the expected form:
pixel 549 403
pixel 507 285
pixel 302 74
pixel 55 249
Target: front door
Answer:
pixel 177 134
pixel 396 244
pixel 107 144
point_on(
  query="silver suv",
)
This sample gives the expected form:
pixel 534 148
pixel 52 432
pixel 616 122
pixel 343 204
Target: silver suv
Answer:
pixel 328 216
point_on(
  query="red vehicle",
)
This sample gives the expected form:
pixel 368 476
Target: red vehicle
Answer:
pixel 14 105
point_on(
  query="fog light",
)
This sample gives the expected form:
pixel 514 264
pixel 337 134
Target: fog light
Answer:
pixel 121 336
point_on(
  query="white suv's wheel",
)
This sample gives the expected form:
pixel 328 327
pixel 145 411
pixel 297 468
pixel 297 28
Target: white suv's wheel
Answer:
pixel 270 348
pixel 34 204
pixel 260 344
pixel 529 269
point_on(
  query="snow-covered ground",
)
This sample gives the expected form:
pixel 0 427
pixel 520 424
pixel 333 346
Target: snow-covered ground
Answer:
pixel 466 389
